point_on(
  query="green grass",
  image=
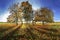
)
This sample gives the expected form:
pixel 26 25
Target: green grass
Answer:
pixel 55 26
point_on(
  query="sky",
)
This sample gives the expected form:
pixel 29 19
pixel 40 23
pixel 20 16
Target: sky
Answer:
pixel 54 5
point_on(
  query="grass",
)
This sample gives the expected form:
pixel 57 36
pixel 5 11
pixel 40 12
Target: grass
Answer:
pixel 51 25
pixel 35 32
pixel 7 25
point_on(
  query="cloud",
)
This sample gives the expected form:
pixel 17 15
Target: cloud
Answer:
pixel 56 20
pixel 3 17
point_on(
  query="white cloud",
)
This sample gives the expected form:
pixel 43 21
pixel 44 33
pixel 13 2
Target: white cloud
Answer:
pixel 57 20
pixel 3 17
pixel 35 8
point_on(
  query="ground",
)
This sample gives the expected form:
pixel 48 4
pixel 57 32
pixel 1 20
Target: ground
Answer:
pixel 11 31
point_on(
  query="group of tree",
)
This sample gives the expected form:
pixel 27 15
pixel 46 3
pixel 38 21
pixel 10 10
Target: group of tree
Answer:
pixel 44 15
pixel 25 11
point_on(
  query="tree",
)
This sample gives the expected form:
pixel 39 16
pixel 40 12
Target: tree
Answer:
pixel 48 14
pixel 44 15
pixel 27 11
pixel 11 18
pixel 21 12
pixel 14 9
pixel 16 14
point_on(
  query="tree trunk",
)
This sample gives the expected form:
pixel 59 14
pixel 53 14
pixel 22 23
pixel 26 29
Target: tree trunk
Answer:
pixel 42 22
pixel 16 19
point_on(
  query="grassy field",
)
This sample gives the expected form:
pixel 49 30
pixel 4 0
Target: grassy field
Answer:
pixel 52 25
pixel 7 25
pixel 37 31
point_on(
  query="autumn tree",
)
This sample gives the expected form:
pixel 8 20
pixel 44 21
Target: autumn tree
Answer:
pixel 44 15
pixel 27 11
pixel 16 14
pixel 48 14
pixel 11 18
pixel 24 11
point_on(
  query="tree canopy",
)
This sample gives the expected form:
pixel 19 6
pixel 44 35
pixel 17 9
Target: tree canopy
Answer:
pixel 25 11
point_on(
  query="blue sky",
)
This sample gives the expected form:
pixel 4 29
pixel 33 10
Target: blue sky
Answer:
pixel 54 5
